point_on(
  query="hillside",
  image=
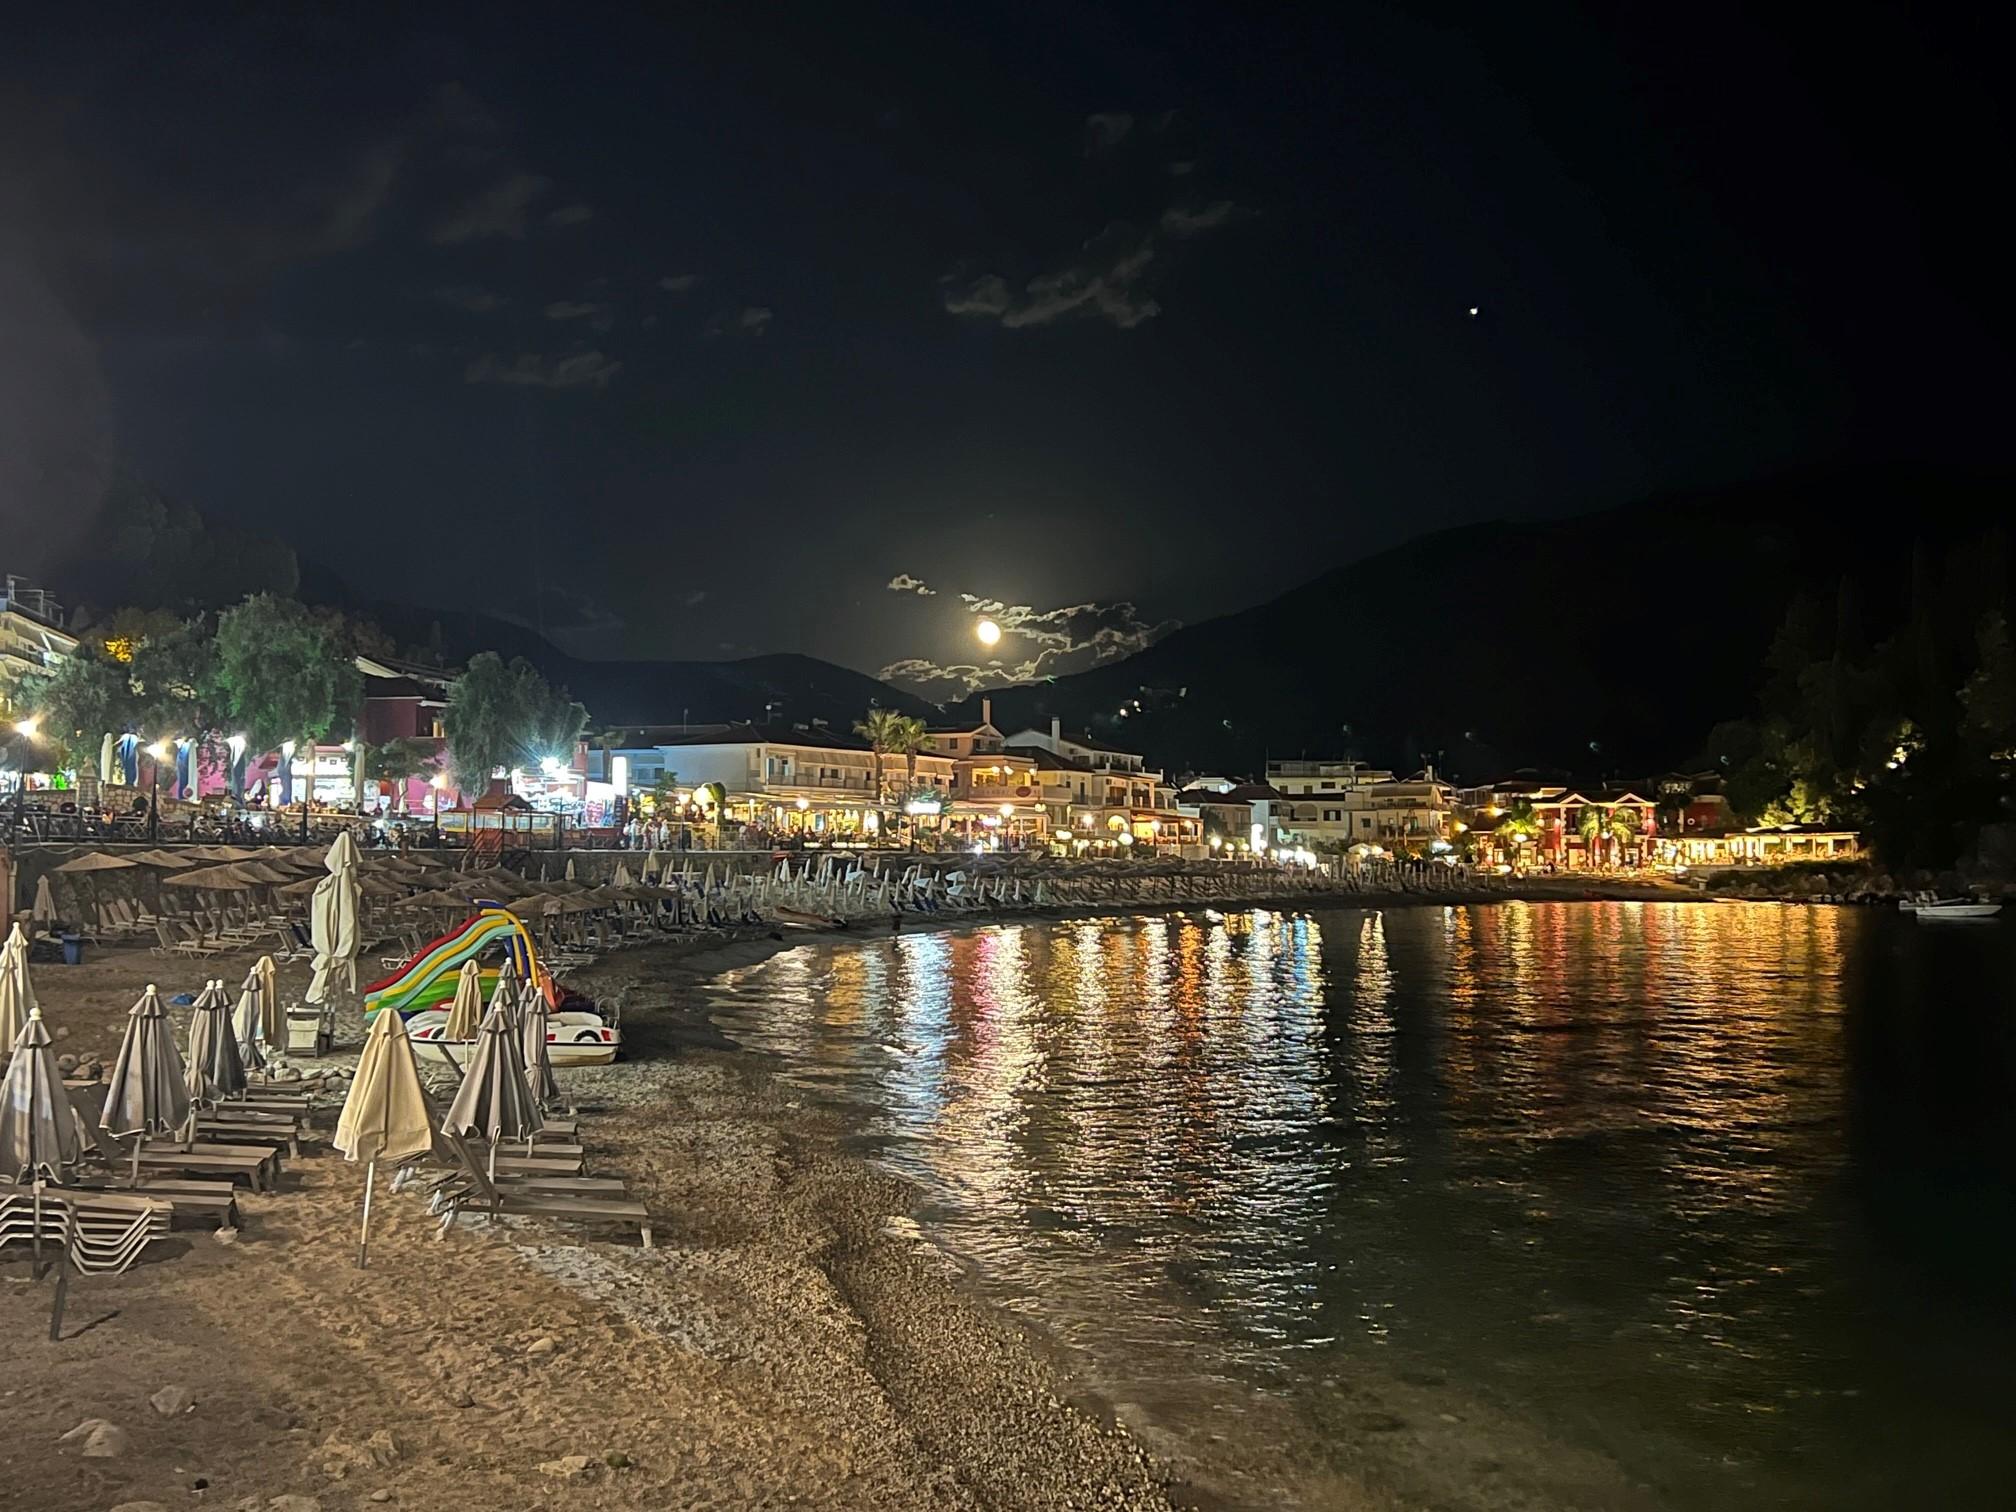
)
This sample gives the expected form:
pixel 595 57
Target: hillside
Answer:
pixel 1611 642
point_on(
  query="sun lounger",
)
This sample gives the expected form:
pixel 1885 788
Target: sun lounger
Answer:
pixel 93 1235
pixel 474 1191
pixel 256 1166
pixel 215 1200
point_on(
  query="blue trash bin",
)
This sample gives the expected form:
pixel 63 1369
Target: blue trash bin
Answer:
pixel 73 950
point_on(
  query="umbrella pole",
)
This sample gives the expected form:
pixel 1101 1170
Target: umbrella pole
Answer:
pixel 364 1236
pixel 35 1269
pixel 138 1140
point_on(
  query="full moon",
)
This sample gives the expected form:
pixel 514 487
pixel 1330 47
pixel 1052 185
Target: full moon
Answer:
pixel 988 631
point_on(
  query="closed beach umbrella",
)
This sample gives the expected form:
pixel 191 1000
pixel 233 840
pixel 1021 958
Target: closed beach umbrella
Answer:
pixel 248 1020
pixel 504 996
pixel 466 1012
pixel 570 868
pixel 386 1116
pixel 333 916
pixel 149 1094
pixel 108 755
pixel 538 1062
pixel 216 1071
pixel 494 1103
pixel 39 1137
pixel 17 993
pixel 43 914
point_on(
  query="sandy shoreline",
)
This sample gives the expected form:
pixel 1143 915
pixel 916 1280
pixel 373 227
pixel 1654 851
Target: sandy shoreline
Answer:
pixel 792 1342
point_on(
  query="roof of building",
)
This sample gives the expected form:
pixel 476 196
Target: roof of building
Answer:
pixel 1243 796
pixel 1045 760
pixel 817 737
pixel 402 687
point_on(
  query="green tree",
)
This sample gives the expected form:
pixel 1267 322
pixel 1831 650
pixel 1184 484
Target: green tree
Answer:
pixel 1625 825
pixel 283 673
pixel 502 715
pixel 1589 825
pixel 399 761
pixel 879 728
pixel 79 701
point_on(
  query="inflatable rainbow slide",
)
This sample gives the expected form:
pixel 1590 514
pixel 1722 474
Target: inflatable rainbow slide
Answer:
pixel 428 980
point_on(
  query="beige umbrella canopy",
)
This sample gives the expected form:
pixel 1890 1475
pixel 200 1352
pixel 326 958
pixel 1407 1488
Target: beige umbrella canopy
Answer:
pixel 215 1068
pixel 465 1014
pixel 256 1022
pixel 386 1116
pixel 39 1136
pixel 148 1093
pixel 43 913
pixel 92 861
pixel 17 992
pixel 333 921
pixel 225 878
pixel 160 860
pixel 494 1101
pixel 538 1063
pixel 436 900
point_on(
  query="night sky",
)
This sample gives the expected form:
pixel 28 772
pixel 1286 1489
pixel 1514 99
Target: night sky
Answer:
pixel 737 328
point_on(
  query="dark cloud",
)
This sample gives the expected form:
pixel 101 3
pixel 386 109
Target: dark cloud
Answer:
pixel 751 320
pixel 575 622
pixel 1106 281
pixel 582 370
pixel 679 283
pixel 1106 130
pixel 500 210
pixel 570 215
pixel 904 583
pixel 1185 221
pixel 570 309
pixel 469 298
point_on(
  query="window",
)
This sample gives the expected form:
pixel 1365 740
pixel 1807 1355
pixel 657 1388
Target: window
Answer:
pixel 1331 816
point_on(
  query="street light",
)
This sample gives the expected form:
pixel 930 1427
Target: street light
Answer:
pixel 29 727
pixel 158 751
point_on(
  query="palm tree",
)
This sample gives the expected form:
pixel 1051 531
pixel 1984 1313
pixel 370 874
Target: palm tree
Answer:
pixel 878 727
pixel 1519 820
pixel 906 738
pixel 1624 828
pixel 1590 827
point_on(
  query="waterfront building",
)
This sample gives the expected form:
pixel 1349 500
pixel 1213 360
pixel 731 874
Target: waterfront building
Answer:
pixel 1104 798
pixel 1344 806
pixel 799 778
pixel 33 637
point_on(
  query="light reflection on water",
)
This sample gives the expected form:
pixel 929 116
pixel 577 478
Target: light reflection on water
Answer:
pixel 1721 1191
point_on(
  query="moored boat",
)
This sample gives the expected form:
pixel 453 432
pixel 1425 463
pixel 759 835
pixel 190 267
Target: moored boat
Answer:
pixel 1945 909
pixel 573 1038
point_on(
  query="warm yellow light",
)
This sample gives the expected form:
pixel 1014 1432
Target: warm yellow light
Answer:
pixel 29 727
pixel 988 632
pixel 804 804
pixel 1007 811
pixel 438 780
pixel 158 750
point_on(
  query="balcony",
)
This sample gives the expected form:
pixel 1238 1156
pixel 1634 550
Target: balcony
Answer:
pixel 796 782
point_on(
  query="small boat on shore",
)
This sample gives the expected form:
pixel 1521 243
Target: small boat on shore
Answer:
pixel 572 1038
pixel 1952 909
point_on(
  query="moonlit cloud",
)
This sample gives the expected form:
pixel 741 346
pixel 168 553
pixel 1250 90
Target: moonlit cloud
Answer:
pixel 1042 642
pixel 904 583
pixel 469 298
pixel 570 215
pixel 1107 280
pixel 498 211
pixel 582 370
pixel 1106 130
pixel 679 283
pixel 571 309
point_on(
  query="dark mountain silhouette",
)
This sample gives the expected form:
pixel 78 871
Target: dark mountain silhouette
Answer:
pixel 1608 643
pixel 783 687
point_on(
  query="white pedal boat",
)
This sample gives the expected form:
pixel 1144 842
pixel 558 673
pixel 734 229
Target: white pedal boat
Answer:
pixel 572 1039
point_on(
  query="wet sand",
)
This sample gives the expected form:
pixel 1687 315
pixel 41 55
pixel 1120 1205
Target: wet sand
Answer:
pixel 794 1340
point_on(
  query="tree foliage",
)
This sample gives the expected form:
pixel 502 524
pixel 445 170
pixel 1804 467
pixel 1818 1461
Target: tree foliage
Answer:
pixel 79 701
pixel 503 715
pixel 1911 740
pixel 284 673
